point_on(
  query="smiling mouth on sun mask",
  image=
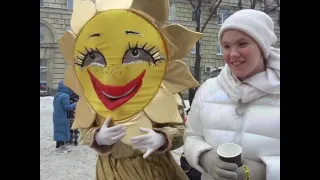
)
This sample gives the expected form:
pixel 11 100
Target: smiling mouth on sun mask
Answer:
pixel 115 96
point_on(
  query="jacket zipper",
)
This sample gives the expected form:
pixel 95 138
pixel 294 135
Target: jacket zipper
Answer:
pixel 240 123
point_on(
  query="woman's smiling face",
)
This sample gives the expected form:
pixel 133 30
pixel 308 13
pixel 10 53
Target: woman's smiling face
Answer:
pixel 242 54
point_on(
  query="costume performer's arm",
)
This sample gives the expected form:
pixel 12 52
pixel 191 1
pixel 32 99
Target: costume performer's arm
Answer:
pixel 172 132
pixel 174 137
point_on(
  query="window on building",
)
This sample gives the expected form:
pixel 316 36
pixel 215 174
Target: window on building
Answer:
pixel 41 3
pixel 41 32
pixel 219 49
pixel 70 4
pixel 223 15
pixel 173 12
pixel 43 75
pixel 193 50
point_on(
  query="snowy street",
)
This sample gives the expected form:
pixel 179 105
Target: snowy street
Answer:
pixel 79 164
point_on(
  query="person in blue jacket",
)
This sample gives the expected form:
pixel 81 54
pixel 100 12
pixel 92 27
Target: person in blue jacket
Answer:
pixel 61 128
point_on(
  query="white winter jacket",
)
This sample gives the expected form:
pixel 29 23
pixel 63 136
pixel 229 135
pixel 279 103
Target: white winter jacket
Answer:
pixel 247 113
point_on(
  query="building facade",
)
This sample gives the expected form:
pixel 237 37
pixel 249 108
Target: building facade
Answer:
pixel 55 20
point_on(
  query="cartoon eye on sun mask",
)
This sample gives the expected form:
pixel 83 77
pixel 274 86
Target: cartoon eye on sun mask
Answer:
pixel 124 61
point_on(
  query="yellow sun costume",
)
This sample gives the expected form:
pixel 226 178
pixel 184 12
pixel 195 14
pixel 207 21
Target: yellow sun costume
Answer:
pixel 124 61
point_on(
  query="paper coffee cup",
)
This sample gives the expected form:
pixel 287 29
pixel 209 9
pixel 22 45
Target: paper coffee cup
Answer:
pixel 230 152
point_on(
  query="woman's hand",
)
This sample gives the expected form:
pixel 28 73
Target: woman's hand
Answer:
pixel 150 142
pixel 217 168
pixel 256 170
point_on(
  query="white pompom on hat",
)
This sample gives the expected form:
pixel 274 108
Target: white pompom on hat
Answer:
pixel 256 24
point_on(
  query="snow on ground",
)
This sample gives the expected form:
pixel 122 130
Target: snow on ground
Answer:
pixel 79 164
pixel 76 165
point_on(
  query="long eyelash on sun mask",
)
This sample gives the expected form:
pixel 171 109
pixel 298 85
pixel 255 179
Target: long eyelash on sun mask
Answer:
pixel 153 51
pixel 82 55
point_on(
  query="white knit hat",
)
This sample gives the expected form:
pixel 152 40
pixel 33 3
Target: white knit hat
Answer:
pixel 256 24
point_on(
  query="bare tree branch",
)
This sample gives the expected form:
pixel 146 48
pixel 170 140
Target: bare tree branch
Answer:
pixel 193 6
pixel 277 1
pixel 240 4
pixel 198 16
pixel 272 9
pixel 213 4
pixel 253 3
pixel 199 5
pixel 211 14
pixel 196 5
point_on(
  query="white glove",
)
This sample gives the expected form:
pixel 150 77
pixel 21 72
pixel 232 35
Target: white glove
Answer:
pixel 109 135
pixel 149 142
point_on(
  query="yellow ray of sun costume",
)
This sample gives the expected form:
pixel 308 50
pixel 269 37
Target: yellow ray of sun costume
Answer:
pixel 124 61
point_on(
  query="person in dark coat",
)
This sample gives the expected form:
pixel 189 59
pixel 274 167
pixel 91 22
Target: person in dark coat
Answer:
pixel 75 133
pixel 192 92
pixel 61 128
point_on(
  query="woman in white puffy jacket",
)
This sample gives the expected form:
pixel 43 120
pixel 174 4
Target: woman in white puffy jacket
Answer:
pixel 241 105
